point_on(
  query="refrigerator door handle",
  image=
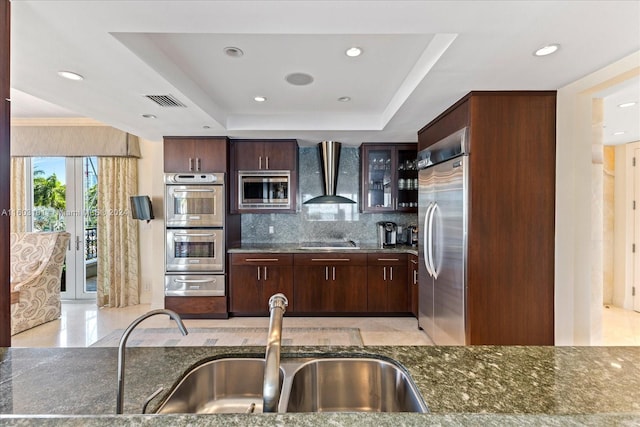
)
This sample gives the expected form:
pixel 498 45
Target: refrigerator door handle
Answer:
pixel 430 248
pixel 426 239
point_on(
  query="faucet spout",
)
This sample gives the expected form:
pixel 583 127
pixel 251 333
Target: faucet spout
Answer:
pixel 123 343
pixel 271 386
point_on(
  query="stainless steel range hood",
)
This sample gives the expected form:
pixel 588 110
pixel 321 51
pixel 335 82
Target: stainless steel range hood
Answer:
pixel 329 159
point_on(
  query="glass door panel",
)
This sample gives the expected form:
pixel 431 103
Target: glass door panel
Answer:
pixel 64 197
pixel 407 177
pixel 379 194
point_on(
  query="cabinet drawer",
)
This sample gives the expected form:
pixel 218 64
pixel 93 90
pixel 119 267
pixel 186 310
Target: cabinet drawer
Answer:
pixel 323 258
pixel 262 259
pixel 387 259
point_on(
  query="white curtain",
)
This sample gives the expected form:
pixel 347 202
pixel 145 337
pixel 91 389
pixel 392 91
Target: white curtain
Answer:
pixel 18 221
pixel 117 282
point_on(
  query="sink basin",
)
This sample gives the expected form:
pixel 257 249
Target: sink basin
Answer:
pixel 231 385
pixel 354 385
pixel 234 385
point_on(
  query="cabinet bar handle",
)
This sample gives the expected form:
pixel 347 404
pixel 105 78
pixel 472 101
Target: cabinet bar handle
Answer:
pixel 326 274
pixel 267 161
pixel 260 162
pixel 265 273
pixel 391 274
pixel 262 259
pixel 413 261
pixel 258 273
pixel 384 274
pixel 198 164
pixel 415 277
pixel 190 164
pixel 334 273
pixel 388 259
pixel 330 259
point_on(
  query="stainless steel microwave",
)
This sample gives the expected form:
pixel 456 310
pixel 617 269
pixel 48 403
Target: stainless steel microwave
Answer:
pixel 264 189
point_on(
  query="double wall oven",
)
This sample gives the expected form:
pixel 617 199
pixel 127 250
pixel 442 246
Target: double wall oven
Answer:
pixel 195 243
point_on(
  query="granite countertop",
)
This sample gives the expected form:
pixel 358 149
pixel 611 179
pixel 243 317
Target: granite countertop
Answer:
pixel 297 248
pixel 477 385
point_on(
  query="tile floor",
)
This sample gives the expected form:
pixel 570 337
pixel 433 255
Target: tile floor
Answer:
pixel 82 324
pixel 620 327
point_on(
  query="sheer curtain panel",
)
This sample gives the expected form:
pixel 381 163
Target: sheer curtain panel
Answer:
pixel 18 221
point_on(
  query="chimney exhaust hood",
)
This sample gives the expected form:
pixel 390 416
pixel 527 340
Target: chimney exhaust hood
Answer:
pixel 329 159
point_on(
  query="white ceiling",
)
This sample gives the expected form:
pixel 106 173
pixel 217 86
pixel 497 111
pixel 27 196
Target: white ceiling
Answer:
pixel 419 58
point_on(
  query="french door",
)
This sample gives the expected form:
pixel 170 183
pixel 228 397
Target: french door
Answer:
pixel 63 197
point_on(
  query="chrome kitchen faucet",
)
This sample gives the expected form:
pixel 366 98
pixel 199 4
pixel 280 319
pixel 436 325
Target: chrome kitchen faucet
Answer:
pixel 271 387
pixel 123 342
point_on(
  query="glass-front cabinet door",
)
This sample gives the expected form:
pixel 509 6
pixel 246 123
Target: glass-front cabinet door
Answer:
pixel 379 194
pixel 389 177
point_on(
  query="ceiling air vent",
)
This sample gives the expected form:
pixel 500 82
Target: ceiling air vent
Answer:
pixel 165 100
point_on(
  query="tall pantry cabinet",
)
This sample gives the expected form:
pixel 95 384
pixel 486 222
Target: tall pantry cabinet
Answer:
pixel 511 213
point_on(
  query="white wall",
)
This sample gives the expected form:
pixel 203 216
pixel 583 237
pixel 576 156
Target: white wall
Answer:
pixel 151 235
pixel 578 280
pixel 623 223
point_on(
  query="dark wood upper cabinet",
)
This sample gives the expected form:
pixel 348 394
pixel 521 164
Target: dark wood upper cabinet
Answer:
pixel 263 155
pixel 254 155
pixel 190 154
pixel 511 213
pixel 389 177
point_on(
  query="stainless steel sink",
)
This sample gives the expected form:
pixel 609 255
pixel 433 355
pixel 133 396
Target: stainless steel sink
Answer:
pixel 353 385
pixel 234 385
pixel 231 385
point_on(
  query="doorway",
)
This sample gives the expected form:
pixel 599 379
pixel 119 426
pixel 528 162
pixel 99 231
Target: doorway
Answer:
pixel 63 197
pixel 635 284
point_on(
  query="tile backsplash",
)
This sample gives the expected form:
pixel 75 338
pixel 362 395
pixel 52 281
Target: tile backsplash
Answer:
pixel 322 222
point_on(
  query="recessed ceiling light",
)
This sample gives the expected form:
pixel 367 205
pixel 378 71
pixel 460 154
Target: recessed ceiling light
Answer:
pixel 353 52
pixel 620 132
pixel 70 75
pixel 149 116
pixel 259 98
pixel 299 79
pixel 234 52
pixel 627 104
pixel 547 50
pixel 344 99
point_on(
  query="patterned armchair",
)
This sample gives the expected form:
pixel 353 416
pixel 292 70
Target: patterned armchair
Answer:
pixel 36 268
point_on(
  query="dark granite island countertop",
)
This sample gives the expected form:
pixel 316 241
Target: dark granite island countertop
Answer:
pixel 462 385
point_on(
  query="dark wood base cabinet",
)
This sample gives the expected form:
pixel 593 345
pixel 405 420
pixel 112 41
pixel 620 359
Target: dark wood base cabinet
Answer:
pixel 388 291
pixel 198 307
pixel 511 221
pixel 321 283
pixel 330 283
pixel 255 277
pixel 412 268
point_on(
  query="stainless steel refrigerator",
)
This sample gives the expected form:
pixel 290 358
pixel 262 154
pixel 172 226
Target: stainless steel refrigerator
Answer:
pixel 442 240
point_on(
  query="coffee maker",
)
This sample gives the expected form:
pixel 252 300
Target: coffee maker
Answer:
pixel 387 234
pixel 412 235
